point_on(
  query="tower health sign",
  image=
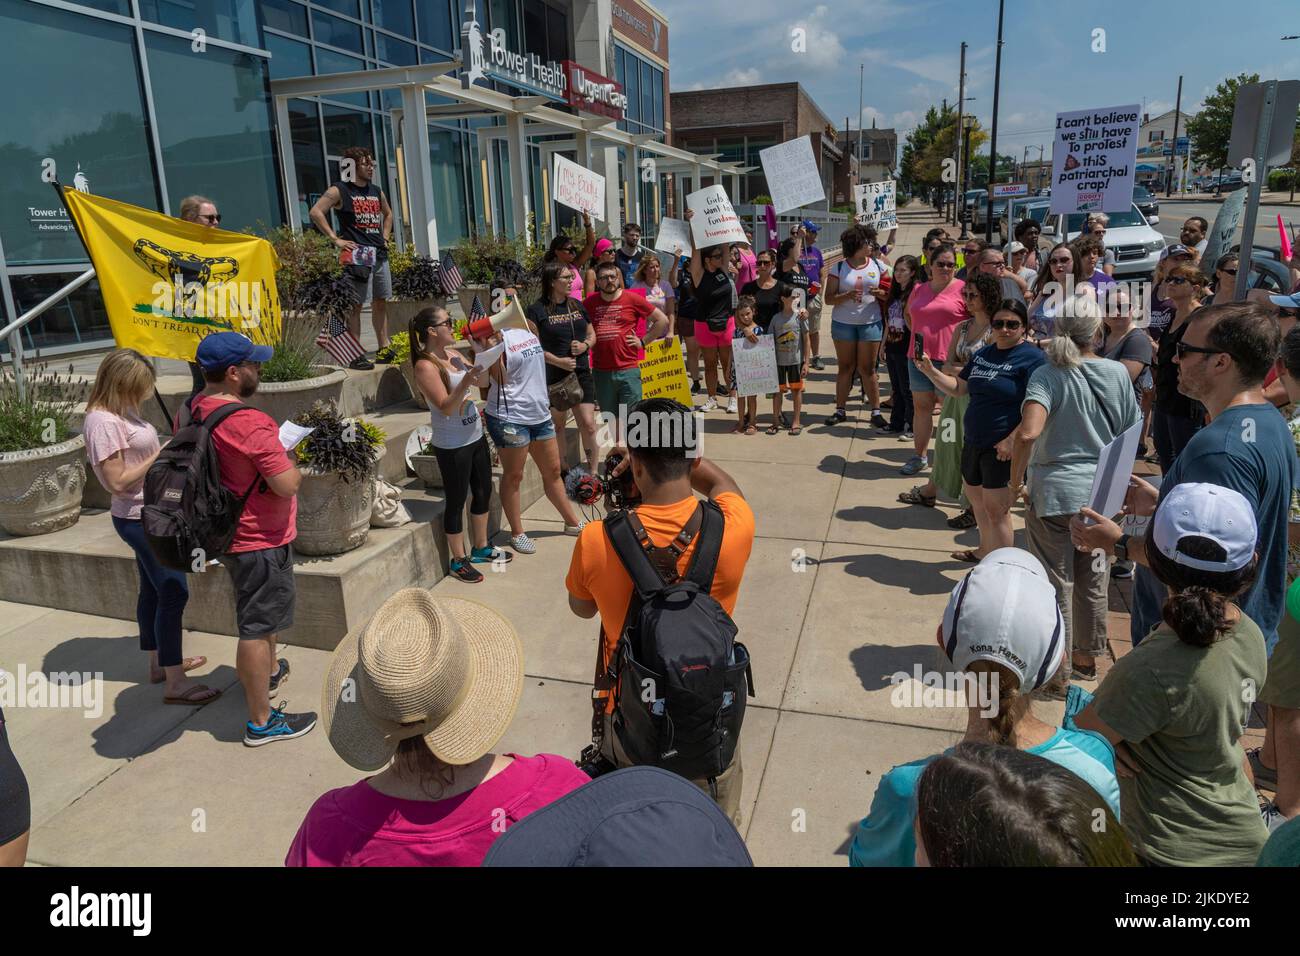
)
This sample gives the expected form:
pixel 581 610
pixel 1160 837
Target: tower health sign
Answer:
pixel 1094 159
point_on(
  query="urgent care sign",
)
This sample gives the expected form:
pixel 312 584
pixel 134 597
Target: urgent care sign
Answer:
pixel 592 93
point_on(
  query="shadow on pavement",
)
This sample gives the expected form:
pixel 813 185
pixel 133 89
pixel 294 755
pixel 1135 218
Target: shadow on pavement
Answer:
pixel 915 577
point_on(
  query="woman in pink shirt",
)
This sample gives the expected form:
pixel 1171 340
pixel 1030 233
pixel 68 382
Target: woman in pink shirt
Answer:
pixel 121 446
pixel 442 679
pixel 933 312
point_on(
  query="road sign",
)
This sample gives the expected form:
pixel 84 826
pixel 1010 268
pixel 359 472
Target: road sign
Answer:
pixel 1246 118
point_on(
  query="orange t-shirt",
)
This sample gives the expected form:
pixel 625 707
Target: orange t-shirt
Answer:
pixel 596 573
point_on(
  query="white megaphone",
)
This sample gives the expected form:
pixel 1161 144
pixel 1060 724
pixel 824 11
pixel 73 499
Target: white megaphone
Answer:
pixel 510 317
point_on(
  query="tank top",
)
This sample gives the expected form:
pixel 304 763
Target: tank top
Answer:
pixel 963 350
pixel 524 400
pixel 458 430
pixel 361 215
pixel 863 279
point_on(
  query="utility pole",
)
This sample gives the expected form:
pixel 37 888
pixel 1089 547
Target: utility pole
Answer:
pixel 960 204
pixel 1173 156
pixel 993 136
pixel 861 70
pixel 965 186
pixel 943 194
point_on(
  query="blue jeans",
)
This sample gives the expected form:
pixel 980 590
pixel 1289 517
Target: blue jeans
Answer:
pixel 900 389
pixel 163 596
pixel 1171 433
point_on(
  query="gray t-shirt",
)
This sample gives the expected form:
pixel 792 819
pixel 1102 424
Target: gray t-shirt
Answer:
pixel 1064 458
pixel 787 332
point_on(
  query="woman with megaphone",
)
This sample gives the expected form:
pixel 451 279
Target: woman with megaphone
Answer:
pixel 518 411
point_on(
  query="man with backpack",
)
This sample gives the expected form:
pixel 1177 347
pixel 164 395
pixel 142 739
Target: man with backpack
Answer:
pixel 671 681
pixel 254 466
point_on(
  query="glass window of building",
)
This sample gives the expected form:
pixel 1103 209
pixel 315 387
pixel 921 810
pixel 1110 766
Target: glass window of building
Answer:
pixel 632 87
pixel 288 57
pixel 327 61
pixel 89 120
pixel 233 20
pixel 336 32
pixel 308 154
pixel 121 7
pixel 546 30
pixel 647 95
pixel 434 18
pixel 395 15
pixel 348 7
pixel 658 119
pixel 287 15
pixel 448 164
pixel 224 150
pixel 80 317
pixel 394 51
pixel 502 17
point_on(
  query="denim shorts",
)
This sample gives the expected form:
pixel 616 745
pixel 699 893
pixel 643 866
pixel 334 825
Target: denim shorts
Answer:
pixel 843 332
pixel 378 285
pixel 919 381
pixel 510 435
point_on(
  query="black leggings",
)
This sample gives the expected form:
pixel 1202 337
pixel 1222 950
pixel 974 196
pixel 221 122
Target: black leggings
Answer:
pixel 466 473
pixel 15 801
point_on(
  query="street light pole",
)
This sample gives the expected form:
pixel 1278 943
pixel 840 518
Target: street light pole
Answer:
pixel 965 186
pixel 993 137
pixel 1173 156
pixel 960 203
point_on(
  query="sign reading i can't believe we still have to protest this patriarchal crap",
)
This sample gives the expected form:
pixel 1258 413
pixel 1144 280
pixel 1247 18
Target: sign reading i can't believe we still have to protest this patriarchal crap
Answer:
pixel 714 220
pixel 663 372
pixel 755 366
pixel 792 174
pixel 577 187
pixel 1094 159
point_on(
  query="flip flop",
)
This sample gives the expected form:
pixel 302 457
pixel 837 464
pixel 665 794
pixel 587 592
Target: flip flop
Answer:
pixel 969 556
pixel 773 429
pixel 190 663
pixel 189 697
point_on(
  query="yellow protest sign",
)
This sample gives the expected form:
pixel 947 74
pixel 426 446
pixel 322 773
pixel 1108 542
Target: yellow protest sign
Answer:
pixel 167 283
pixel 663 373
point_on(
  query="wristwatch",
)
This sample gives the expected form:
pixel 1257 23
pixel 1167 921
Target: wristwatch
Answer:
pixel 1121 547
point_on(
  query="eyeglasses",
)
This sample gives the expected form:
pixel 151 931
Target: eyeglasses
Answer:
pixel 945 265
pixel 215 217
pixel 766 262
pixel 1183 349
pixel 1005 325
pixel 1062 261
pixel 972 252
pixel 999 264
pixel 608 277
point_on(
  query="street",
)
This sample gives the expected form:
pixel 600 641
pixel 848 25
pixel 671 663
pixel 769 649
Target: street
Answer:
pixel 1174 213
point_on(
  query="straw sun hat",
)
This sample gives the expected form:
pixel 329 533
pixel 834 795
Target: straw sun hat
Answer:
pixel 446 669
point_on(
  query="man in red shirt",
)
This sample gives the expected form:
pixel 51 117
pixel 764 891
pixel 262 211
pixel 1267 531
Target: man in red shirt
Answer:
pixel 259 560
pixel 615 361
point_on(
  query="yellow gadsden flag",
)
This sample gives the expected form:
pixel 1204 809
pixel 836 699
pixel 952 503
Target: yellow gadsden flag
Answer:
pixel 167 283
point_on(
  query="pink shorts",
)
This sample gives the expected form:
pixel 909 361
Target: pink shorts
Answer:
pixel 708 339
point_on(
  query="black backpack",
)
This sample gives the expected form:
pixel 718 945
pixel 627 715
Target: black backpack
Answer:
pixel 682 677
pixel 188 516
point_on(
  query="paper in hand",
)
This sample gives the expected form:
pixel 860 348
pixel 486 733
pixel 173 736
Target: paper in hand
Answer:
pixel 291 434
pixel 487 357
pixel 1114 466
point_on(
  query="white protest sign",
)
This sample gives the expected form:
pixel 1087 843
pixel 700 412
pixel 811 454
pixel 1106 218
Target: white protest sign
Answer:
pixel 578 188
pixel 1114 466
pixel 1094 159
pixel 673 234
pixel 755 364
pixel 792 175
pixel 714 220
pixel 876 205
pixel 1010 190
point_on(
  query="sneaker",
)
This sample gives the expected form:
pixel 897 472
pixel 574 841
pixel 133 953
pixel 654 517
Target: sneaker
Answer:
pixel 280 676
pixel 1121 569
pixel 573 530
pixel 489 554
pixel 523 544
pixel 878 420
pixel 838 417
pixel 280 726
pixel 386 356
pixel 1264 776
pixel 465 571
pixel 695 386
pixel 731 406
pixel 907 435
pixel 360 364
pixel 816 364
pixel 914 464
pixel 709 406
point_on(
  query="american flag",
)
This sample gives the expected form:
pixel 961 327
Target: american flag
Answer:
pixel 341 344
pixel 476 310
pixel 449 276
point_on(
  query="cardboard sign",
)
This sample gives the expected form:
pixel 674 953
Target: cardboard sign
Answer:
pixel 578 188
pixel 663 371
pixel 755 366
pixel 1224 231
pixel 715 220
pixel 1010 190
pixel 876 205
pixel 1114 465
pixel 1094 159
pixel 673 234
pixel 792 175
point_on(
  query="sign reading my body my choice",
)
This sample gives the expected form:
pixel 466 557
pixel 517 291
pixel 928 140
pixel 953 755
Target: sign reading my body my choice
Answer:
pixel 578 188
pixel 714 220
pixel 1094 159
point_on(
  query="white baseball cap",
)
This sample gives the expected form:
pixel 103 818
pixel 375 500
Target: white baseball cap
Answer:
pixel 1005 611
pixel 1012 248
pixel 1196 509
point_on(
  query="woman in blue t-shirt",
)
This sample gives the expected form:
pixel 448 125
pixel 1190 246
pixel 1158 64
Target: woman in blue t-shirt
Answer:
pixel 995 378
pixel 1002 630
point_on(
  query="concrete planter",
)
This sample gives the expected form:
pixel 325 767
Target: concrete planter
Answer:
pixel 333 514
pixel 427 470
pixel 283 400
pixel 40 488
pixel 401 311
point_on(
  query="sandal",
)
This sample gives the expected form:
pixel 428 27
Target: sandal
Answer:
pixel 962 521
pixel 194 697
pixel 189 664
pixel 914 497
pixel 773 429
pixel 796 429
pixel 1083 673
pixel 968 556
pixel 751 429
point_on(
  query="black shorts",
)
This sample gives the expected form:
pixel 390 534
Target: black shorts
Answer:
pixel 981 468
pixel 789 378
pixel 15 798
pixel 264 590
pixel 588 383
pixel 686 326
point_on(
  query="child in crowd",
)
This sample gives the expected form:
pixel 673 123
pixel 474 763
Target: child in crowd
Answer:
pixel 746 328
pixel 790 330
pixel 1003 629
pixel 1175 707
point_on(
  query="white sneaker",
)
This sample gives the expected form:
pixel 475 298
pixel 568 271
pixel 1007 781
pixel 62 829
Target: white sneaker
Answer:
pixel 575 530
pixel 710 406
pixel 523 544
pixel 731 406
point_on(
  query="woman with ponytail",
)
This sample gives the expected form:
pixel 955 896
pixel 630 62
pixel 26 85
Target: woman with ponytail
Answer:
pixel 1176 706
pixel 1002 631
pixel 1074 406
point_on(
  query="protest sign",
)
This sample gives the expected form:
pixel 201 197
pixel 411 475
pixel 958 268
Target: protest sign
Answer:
pixel 663 372
pixel 1010 190
pixel 792 174
pixel 755 366
pixel 714 219
pixel 1224 230
pixel 876 205
pixel 673 234
pixel 1114 466
pixel 1094 159
pixel 578 188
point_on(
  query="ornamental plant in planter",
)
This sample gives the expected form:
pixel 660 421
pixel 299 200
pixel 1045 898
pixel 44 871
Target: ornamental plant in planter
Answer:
pixel 339 462
pixel 483 260
pixel 42 458
pixel 416 285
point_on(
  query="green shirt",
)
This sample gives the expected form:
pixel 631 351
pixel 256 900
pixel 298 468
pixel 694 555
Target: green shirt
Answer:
pixel 1182 710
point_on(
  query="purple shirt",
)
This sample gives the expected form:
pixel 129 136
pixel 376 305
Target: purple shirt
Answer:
pixel 812 263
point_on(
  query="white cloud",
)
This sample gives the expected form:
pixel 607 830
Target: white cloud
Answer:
pixel 872 115
pixel 748 77
pixel 905 122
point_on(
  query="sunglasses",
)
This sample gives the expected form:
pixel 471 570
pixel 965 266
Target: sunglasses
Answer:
pixel 1183 349
pixel 213 218
pixel 1229 272
pixel 766 262
pixel 1005 325
pixel 945 265
pixel 568 249
pixel 1176 280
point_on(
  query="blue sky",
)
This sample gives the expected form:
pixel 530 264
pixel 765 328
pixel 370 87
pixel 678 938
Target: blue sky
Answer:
pixel 911 52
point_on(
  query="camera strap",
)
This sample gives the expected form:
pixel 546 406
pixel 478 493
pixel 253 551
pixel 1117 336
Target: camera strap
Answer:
pixel 665 559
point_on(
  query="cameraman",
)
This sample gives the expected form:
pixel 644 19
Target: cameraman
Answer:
pixel 666 481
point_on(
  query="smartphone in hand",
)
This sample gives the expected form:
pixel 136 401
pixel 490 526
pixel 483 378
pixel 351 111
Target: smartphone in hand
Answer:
pixel 918 347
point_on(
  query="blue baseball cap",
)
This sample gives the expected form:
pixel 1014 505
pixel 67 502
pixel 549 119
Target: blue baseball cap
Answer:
pixel 224 349
pixel 811 226
pixel 1286 301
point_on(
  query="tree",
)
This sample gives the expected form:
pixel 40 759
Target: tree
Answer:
pixel 1210 130
pixel 929 144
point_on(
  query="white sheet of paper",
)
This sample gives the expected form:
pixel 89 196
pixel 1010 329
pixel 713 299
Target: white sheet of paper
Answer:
pixel 291 434
pixel 1094 159
pixel 792 174
pixel 673 234
pixel 1114 466
pixel 485 358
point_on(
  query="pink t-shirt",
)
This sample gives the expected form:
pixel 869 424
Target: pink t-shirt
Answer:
pixel 748 269
pixel 935 317
pixel 248 445
pixel 106 434
pixel 359 826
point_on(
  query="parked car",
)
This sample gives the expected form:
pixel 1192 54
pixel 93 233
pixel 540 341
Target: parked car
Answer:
pixel 971 199
pixel 1033 208
pixel 1136 245
pixel 1267 270
pixel 981 213
pixel 1229 183
pixel 1147 203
